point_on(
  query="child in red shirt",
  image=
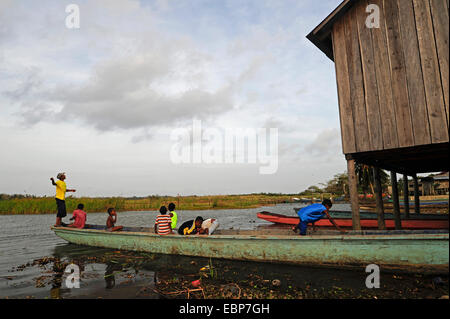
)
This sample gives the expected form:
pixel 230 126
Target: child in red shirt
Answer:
pixel 80 217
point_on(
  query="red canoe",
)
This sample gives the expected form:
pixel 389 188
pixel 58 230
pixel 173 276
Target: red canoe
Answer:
pixel 365 223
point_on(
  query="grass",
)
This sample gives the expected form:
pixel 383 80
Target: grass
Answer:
pixel 46 205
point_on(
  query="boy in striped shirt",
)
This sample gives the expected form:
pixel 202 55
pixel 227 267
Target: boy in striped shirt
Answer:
pixel 163 222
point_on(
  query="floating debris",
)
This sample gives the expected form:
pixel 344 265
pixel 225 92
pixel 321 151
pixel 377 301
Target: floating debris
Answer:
pixel 276 283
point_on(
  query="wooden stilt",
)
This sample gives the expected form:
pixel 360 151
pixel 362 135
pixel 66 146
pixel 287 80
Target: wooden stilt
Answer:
pixel 396 201
pixel 379 198
pixel 416 195
pixel 353 189
pixel 406 195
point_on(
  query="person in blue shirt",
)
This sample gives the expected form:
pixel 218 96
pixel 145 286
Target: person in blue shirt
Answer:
pixel 312 213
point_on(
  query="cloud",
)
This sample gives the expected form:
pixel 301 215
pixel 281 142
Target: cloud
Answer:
pixel 120 96
pixel 135 70
pixel 31 81
pixel 158 80
pixel 128 68
pixel 327 142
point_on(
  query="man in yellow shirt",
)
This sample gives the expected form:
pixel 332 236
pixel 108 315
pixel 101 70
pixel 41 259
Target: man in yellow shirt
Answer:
pixel 60 197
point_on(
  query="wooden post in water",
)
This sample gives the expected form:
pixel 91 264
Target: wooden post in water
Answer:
pixel 396 201
pixel 353 190
pixel 406 195
pixel 416 195
pixel 379 198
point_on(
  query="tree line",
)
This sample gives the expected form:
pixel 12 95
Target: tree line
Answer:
pixel 338 185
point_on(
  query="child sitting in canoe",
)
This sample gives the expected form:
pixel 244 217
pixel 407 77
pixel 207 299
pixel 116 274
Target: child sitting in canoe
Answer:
pixel 79 216
pixel 163 222
pixel 112 219
pixel 191 227
pixel 208 226
pixel 173 215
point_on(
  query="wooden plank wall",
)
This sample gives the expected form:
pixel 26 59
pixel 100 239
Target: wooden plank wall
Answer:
pixel 393 80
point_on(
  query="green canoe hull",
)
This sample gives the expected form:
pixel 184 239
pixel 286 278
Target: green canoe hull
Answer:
pixel 409 252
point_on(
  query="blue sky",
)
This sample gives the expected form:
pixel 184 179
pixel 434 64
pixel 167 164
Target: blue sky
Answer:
pixel 99 102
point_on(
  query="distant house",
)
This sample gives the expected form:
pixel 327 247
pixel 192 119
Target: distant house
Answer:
pixel 441 183
pixel 431 185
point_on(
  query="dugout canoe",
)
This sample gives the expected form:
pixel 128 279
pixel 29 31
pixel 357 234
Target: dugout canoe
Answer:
pixel 365 214
pixel 437 223
pixel 411 251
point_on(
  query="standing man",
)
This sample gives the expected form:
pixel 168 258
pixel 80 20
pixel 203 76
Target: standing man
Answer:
pixel 60 197
pixel 312 213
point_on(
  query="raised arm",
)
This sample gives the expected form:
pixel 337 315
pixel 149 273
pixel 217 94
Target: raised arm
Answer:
pixel 53 181
pixel 334 223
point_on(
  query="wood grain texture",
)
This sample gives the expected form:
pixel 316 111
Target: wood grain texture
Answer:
pixel 430 69
pixel 398 74
pixel 393 80
pixel 379 198
pixel 343 85
pixel 414 76
pixel 354 198
pixel 439 12
pixel 396 201
pixel 356 80
pixel 370 80
pixel 383 76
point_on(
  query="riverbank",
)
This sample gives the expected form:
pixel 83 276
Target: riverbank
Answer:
pixel 46 205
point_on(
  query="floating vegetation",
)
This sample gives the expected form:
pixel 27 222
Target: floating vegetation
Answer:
pixel 146 275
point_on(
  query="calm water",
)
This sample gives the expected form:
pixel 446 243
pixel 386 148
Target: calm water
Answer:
pixel 112 274
pixel 24 238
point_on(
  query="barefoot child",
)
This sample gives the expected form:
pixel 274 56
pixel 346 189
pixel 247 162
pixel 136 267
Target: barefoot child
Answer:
pixel 112 219
pixel 60 197
pixel 313 213
pixel 80 217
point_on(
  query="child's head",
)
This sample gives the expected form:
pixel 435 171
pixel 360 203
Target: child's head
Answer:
pixel 171 207
pixel 61 176
pixel 198 221
pixel 163 210
pixel 110 210
pixel 327 203
pixel 80 206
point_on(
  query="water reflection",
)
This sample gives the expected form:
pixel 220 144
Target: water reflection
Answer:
pixel 107 273
pixel 110 279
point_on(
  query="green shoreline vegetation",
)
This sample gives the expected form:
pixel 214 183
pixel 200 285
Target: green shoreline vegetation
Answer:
pixel 28 205
pixel 336 188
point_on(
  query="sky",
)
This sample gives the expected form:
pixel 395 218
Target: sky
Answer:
pixel 102 102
